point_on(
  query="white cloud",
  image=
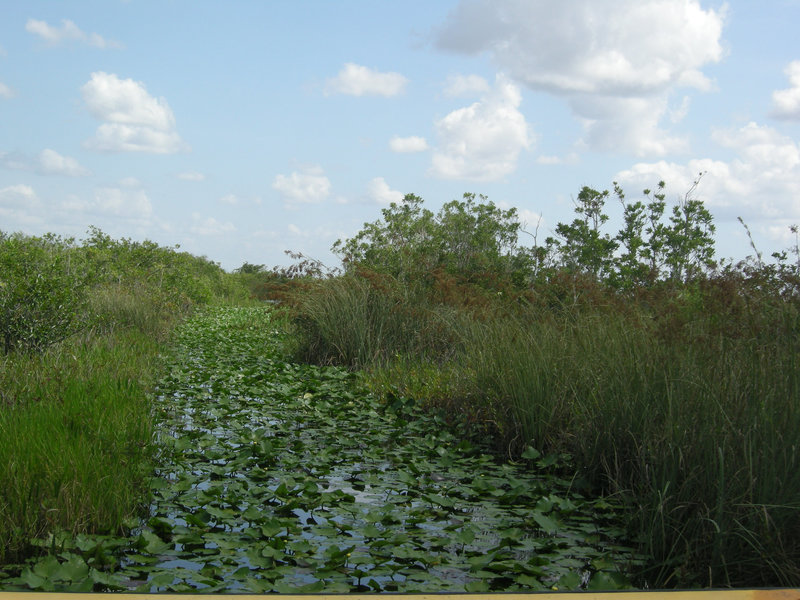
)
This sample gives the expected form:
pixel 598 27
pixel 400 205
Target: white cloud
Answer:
pixel 629 124
pixel 229 199
pixel 597 46
pixel 380 192
pixel 135 121
pixel 678 113
pixel 308 187
pixel 47 162
pixel 532 222
pixel 465 85
pixel 786 103
pixel 19 194
pixel 19 205
pixel 409 144
pixel 621 54
pixel 66 33
pixel 762 182
pixel 128 204
pixel 53 163
pixel 357 80
pixel 210 226
pixel 191 176
pixel 482 142
pixel 5 91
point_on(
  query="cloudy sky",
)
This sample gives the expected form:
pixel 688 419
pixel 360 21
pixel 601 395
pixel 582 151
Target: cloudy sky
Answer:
pixel 242 129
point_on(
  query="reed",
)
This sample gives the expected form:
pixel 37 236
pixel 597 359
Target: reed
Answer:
pixel 75 439
pixel 362 321
pixel 700 433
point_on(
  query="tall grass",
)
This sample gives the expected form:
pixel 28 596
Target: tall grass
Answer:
pixel 75 438
pixel 360 321
pixel 682 400
pixel 699 432
pixel 75 412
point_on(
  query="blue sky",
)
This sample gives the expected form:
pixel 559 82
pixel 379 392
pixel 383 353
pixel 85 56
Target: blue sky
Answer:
pixel 242 129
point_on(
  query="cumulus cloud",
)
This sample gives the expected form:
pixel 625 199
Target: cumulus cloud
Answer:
pixel 598 46
pixel 482 142
pixel 47 162
pixel 631 124
pixel 135 121
pixel 786 103
pixel 465 85
pixel 125 203
pixel 761 183
pixel 210 226
pixel 68 32
pixel 19 194
pixel 19 205
pixel 5 91
pixel 357 80
pixel 409 144
pixel 380 192
pixel 53 163
pixel 532 222
pixel 310 186
pixel 613 52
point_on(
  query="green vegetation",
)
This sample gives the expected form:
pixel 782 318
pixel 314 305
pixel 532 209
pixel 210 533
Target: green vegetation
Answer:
pixel 80 326
pixel 282 477
pixel 670 380
pixel 645 393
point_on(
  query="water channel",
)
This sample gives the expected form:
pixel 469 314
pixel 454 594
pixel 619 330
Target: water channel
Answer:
pixel 281 477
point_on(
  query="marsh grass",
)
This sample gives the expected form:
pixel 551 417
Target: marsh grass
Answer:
pixel 83 325
pixel 76 423
pixel 133 305
pixel 683 400
pixel 699 432
pixel 75 433
pixel 368 320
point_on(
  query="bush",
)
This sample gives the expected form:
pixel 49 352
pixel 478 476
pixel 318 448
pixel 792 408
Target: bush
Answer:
pixel 43 287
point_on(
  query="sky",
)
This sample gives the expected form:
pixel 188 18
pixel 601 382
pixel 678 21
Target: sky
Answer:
pixel 239 130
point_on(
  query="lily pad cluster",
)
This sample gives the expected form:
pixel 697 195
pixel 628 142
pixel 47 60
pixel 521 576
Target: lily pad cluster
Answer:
pixel 280 477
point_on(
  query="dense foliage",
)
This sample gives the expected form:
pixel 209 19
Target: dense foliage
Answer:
pixel 671 378
pixel 468 238
pixel 79 326
pixel 662 378
pixel 43 287
pixel 281 477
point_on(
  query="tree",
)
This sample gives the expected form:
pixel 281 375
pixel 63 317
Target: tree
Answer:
pixel 646 248
pixel 467 238
pixel 581 245
pixel 248 268
pixel 690 238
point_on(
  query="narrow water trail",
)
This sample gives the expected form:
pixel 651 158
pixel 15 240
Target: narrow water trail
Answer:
pixel 276 476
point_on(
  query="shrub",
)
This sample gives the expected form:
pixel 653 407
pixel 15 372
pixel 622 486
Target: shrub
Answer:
pixel 42 291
